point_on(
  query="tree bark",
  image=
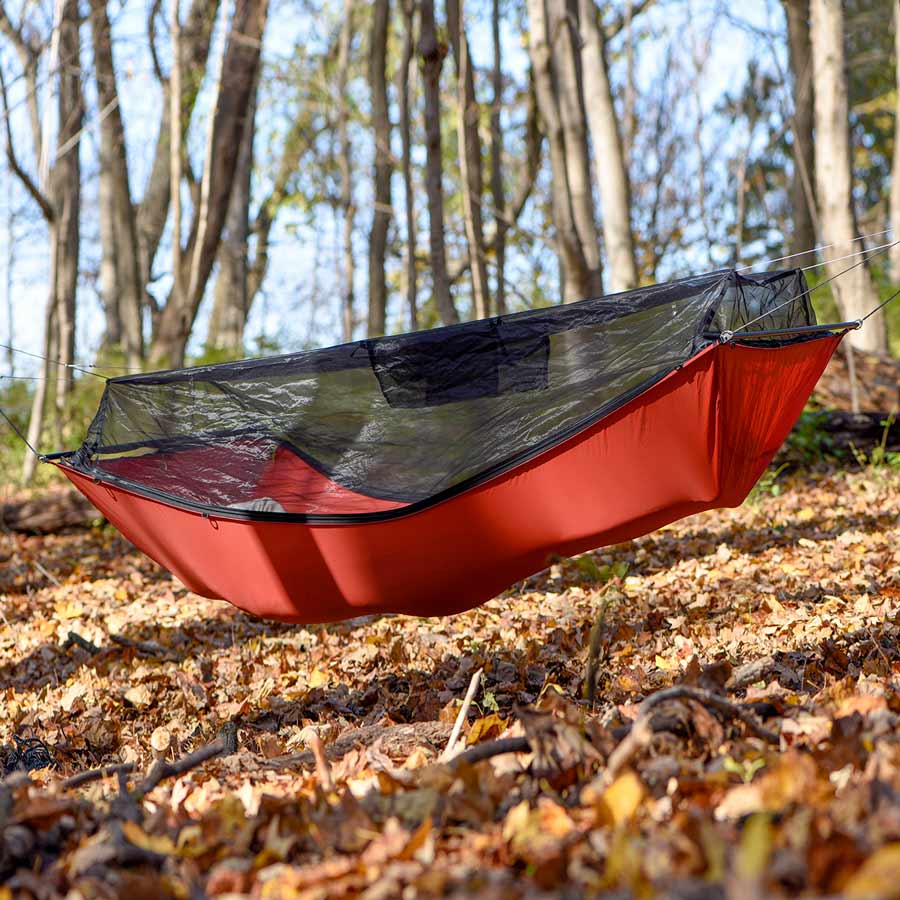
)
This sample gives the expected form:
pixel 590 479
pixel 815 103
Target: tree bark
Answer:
pixel 568 78
pixel 576 275
pixel 231 298
pixel 469 157
pixel 803 196
pixel 609 160
pixel 381 127
pixel 497 193
pixel 125 300
pixel 432 55
pixel 895 170
pixel 65 196
pixel 854 289
pixel 403 77
pixel 239 69
pixel 348 209
pixel 193 53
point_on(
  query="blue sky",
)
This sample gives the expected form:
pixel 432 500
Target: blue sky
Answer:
pixel 299 306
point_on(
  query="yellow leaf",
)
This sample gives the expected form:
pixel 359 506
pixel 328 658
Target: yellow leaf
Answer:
pixel 620 801
pixel 876 878
pixel 161 844
pixel 755 847
pixel 807 514
pixel 662 663
pixel 317 678
pixel 71 609
pixel 483 729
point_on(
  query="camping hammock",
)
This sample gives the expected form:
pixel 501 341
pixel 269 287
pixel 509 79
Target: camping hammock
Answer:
pixel 425 473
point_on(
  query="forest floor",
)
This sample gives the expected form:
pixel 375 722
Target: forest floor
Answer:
pixel 742 738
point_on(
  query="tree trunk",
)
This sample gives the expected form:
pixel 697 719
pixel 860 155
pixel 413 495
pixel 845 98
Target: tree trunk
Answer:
pixel 854 289
pixel 194 52
pixel 381 126
pixel 895 170
pixel 803 196
pixel 230 299
pixel 128 292
pixel 568 79
pixel 576 275
pixel 65 195
pixel 609 160
pixel 403 77
pixel 469 156
pixel 348 209
pixel 239 68
pixel 109 296
pixel 432 55
pixel 497 192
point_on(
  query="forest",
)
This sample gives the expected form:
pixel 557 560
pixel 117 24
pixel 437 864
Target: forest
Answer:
pixel 709 710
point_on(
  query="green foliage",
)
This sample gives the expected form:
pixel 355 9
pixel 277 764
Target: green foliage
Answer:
pixel 808 442
pixel 591 571
pixel 767 486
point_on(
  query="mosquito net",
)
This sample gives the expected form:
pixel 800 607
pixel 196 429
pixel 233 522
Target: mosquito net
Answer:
pixel 382 423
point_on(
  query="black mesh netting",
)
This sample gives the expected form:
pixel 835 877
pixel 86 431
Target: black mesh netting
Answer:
pixel 390 421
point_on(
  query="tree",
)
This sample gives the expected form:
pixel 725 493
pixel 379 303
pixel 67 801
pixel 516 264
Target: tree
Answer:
pixel 895 170
pixel 432 53
pixel 854 288
pixel 469 156
pixel 237 78
pixel 803 197
pixel 609 159
pixel 381 129
pixel 557 85
pixel 404 73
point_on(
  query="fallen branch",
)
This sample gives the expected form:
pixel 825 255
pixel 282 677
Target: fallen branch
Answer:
pixel 642 731
pixel 489 749
pixel 590 677
pixel 462 715
pixel 151 648
pixel 76 640
pixel 162 770
pixel 82 778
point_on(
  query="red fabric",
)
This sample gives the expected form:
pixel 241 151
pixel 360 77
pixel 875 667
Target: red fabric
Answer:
pixel 699 439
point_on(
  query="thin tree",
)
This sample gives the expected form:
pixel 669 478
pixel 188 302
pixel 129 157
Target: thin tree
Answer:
pixel 609 159
pixel 348 208
pixel 895 170
pixel 404 75
pixel 803 196
pixel 498 195
pixel 469 156
pixel 381 127
pixel 855 289
pixel 432 53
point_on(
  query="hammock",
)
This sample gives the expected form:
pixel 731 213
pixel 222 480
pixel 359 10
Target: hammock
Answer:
pixel 425 473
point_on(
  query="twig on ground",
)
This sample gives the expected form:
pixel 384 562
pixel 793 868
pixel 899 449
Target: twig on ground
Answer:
pixel 162 770
pixel 489 749
pixel 76 640
pixel 149 647
pixel 590 677
pixel 90 775
pixel 461 716
pixel 323 770
pixel 642 732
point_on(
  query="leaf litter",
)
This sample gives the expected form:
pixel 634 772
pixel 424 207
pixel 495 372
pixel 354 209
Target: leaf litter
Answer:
pixel 741 740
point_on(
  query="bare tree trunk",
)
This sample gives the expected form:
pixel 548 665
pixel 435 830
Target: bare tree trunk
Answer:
pixel 230 298
pixel 128 292
pixel 10 269
pixel 193 51
pixel 630 100
pixel 175 141
pixel 895 170
pixel 403 77
pixel 65 195
pixel 348 208
pixel 381 125
pixel 576 274
pixel 855 289
pixel 239 68
pixel 39 399
pixel 568 78
pixel 109 296
pixel 432 55
pixel 803 197
pixel 609 160
pixel 497 192
pixel 469 157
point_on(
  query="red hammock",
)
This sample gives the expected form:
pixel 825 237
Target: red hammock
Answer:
pixel 698 438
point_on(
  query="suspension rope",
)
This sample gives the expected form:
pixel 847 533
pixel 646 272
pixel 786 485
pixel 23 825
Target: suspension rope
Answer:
pixel 19 434
pixel 86 369
pixel 862 237
pixel 727 335
pixel 881 305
